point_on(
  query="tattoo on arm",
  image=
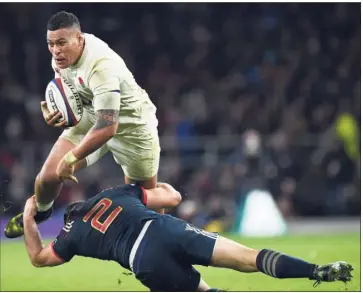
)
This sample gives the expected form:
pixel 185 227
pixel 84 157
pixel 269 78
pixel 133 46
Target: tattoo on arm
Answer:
pixel 106 118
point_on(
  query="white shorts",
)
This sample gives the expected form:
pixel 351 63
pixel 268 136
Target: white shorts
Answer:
pixel 136 149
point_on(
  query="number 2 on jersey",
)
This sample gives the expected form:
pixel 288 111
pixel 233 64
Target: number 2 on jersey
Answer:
pixel 95 222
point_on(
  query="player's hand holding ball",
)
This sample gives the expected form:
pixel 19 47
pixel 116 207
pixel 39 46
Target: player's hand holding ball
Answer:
pixel 64 101
pixel 52 118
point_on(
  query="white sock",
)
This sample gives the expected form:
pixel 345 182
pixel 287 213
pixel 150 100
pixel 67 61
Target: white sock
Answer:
pixel 42 207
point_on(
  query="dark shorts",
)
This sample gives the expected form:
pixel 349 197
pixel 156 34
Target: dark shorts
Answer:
pixel 164 258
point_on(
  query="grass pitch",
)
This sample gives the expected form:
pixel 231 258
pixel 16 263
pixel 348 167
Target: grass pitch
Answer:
pixel 82 274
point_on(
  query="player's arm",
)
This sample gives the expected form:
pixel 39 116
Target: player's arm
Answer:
pixel 105 86
pixel 163 196
pixel 39 255
pixel 103 130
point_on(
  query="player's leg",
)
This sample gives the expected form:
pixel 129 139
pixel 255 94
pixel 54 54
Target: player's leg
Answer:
pixel 164 240
pixel 205 248
pixel 168 275
pixel 204 287
pixel 47 185
pixel 243 262
pixel 147 184
pixel 232 255
pixel 138 153
pixel 140 165
pixel 139 156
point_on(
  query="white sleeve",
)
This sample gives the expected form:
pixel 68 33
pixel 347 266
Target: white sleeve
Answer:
pixel 104 83
pixel 107 101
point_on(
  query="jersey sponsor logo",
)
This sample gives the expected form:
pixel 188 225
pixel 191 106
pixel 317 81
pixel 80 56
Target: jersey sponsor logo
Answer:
pixel 76 96
pixel 191 228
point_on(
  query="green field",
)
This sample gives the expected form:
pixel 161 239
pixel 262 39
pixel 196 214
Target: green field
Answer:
pixel 83 274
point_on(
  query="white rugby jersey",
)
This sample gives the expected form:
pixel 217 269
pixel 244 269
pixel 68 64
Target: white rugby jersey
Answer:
pixel 101 70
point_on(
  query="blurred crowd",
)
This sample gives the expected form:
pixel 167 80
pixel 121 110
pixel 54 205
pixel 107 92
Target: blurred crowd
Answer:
pixel 248 96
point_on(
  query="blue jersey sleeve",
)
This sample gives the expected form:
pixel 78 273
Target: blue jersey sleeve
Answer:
pixel 62 246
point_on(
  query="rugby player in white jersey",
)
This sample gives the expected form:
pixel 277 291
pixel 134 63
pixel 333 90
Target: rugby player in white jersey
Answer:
pixel 118 117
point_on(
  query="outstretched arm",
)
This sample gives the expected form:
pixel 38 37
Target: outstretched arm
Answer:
pixel 39 255
pixel 104 82
pixel 105 86
pixel 103 130
pixel 162 196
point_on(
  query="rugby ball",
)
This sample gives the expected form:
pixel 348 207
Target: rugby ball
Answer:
pixel 62 96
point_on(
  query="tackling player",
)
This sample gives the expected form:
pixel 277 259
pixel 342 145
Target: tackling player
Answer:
pixel 118 225
pixel 118 116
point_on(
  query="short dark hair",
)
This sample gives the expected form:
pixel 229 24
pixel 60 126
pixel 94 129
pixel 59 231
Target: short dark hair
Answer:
pixel 63 19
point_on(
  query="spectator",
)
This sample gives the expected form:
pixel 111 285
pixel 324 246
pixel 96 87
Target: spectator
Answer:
pixel 278 75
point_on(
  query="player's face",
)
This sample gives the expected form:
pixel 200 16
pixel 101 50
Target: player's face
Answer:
pixel 65 45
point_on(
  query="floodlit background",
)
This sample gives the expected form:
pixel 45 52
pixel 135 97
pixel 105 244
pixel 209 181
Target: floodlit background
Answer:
pixel 259 122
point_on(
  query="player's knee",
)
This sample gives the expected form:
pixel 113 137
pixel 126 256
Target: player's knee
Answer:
pixel 230 254
pixel 36 265
pixel 47 176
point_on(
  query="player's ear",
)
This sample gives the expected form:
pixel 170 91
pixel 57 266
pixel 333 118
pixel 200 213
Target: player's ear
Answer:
pixel 80 38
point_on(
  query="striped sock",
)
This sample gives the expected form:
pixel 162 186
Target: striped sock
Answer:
pixel 278 265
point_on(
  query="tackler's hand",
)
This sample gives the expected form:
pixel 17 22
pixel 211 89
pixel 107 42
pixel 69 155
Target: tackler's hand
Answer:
pixel 51 118
pixel 30 208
